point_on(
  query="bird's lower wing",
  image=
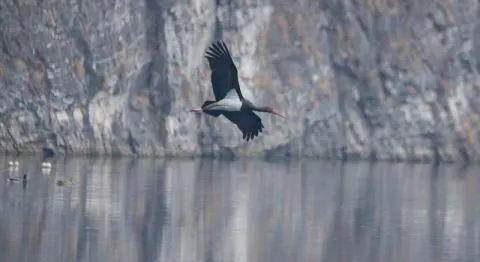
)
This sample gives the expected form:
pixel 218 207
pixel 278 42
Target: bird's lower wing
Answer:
pixel 248 122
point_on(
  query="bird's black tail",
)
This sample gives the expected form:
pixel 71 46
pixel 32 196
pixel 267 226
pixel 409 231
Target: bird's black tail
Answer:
pixel 213 112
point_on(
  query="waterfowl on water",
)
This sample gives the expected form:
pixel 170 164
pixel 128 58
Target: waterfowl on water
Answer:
pixel 62 182
pixel 17 179
pixel 47 153
pixel 13 163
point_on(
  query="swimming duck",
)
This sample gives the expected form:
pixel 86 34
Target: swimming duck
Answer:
pixel 13 163
pixel 62 182
pixel 17 179
pixel 47 153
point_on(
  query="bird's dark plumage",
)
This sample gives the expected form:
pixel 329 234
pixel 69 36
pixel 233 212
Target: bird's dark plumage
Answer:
pixel 48 152
pixel 212 113
pixel 224 78
pixel 224 72
pixel 247 121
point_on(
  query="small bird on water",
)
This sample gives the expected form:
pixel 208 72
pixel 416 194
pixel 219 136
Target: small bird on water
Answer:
pixel 17 179
pixel 13 163
pixel 47 153
pixel 62 182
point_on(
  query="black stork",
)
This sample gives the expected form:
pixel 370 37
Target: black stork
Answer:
pixel 236 103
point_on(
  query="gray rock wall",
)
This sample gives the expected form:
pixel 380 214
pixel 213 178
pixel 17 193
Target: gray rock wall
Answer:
pixel 381 79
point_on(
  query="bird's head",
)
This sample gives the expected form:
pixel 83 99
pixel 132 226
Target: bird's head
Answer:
pixel 271 110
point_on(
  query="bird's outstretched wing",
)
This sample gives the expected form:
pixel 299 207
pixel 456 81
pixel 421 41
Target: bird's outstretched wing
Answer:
pixel 224 72
pixel 247 121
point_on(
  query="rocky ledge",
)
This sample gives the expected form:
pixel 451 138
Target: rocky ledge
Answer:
pixel 368 79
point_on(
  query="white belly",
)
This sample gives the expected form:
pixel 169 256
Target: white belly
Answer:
pixel 229 104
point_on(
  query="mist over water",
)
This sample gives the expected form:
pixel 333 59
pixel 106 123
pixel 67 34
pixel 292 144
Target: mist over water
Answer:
pixel 133 210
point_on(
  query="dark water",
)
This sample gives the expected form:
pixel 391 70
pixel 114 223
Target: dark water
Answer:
pixel 203 211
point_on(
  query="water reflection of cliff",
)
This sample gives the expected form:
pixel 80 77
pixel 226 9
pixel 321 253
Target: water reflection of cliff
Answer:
pixel 155 210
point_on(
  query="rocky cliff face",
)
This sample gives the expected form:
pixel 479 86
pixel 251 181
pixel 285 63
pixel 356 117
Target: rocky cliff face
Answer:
pixel 381 79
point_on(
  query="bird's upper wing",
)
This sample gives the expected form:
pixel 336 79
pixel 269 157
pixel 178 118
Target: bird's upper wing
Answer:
pixel 247 121
pixel 224 72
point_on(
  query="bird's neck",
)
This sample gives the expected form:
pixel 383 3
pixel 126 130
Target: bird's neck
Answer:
pixel 259 108
pixel 263 109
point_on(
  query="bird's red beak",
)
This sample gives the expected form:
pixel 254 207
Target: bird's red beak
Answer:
pixel 196 110
pixel 275 112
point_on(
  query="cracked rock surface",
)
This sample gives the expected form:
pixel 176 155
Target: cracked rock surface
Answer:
pixel 379 79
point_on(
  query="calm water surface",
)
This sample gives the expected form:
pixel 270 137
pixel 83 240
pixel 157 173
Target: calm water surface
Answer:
pixel 204 211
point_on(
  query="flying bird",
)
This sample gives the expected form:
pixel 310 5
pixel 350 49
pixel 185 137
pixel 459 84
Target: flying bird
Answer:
pixel 235 102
